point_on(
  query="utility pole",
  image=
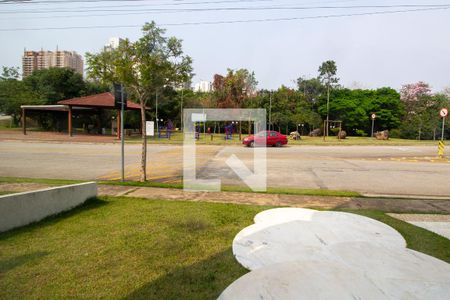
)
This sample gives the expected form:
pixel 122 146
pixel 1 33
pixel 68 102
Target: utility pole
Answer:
pixel 328 105
pixel 270 111
pixel 181 109
pixel 122 135
pixel 157 127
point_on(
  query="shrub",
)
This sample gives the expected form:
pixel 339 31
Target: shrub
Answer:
pixel 360 132
pixel 394 133
pixel 335 131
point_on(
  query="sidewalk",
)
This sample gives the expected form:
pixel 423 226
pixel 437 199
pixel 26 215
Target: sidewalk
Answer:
pixel 61 137
pixel 319 202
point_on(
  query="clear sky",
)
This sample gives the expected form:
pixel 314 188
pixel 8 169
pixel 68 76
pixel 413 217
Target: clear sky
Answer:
pixel 370 50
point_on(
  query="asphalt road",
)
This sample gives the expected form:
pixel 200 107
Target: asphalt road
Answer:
pixel 393 170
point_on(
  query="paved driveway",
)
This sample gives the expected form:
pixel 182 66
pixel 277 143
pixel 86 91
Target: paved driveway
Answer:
pixel 411 170
pixel 368 169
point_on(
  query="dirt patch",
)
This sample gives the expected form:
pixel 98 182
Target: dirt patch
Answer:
pixel 17 135
pixel 421 217
pixel 22 187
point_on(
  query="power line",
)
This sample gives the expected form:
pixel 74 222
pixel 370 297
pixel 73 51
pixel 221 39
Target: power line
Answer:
pixel 233 21
pixel 26 2
pixel 170 10
pixel 175 2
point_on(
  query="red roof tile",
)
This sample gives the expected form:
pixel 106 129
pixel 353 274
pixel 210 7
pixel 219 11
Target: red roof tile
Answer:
pixel 105 100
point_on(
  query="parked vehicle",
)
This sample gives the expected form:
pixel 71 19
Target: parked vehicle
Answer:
pixel 269 138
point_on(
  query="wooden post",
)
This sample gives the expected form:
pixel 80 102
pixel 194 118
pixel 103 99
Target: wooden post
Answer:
pixel 118 124
pixel 69 125
pixel 240 130
pixel 24 121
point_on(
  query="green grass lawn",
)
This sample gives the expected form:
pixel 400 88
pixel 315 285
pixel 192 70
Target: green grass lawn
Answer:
pixel 417 238
pixel 218 139
pixel 142 249
pixel 39 180
pixel 125 248
pixel 358 141
pixel 5 193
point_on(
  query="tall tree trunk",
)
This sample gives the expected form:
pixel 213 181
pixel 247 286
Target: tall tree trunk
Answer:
pixel 144 143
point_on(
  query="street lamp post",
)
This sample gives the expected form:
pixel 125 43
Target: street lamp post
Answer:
pixel 156 106
pixel 328 106
pixel 122 136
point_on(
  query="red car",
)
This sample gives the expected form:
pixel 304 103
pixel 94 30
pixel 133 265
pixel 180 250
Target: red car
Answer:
pixel 270 138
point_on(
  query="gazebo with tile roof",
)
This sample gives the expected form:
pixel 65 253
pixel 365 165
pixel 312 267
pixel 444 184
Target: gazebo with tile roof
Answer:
pixel 99 101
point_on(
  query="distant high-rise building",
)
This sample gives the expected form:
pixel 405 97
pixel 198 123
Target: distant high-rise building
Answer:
pixel 203 86
pixel 113 43
pixel 38 60
pixel 183 86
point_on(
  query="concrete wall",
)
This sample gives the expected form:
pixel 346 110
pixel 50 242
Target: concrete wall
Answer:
pixel 24 208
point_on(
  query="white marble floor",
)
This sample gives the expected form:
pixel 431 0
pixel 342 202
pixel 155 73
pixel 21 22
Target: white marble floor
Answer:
pixel 296 253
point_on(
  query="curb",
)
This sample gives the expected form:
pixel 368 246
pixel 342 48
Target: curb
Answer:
pixel 407 197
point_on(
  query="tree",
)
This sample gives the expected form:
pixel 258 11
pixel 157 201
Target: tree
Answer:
pixel 421 119
pixel 354 108
pixel 446 92
pixel 413 96
pixel 144 67
pixel 234 89
pixel 14 93
pixel 311 88
pixel 327 73
pixel 45 86
pixel 55 84
pixel 9 73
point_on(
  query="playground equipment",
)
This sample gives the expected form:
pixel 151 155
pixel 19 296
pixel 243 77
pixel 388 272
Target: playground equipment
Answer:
pixel 168 130
pixel 197 130
pixel 332 124
pixel 229 130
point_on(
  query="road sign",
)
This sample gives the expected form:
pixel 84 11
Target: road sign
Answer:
pixel 374 116
pixel 441 149
pixel 118 96
pixel 150 128
pixel 444 114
